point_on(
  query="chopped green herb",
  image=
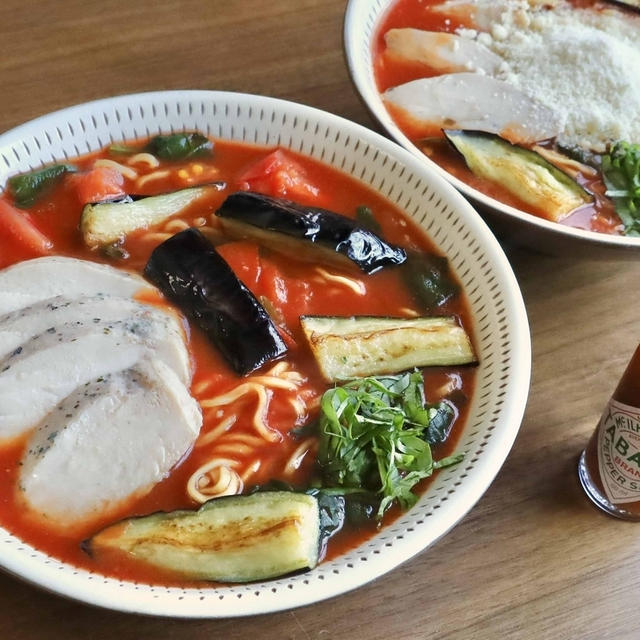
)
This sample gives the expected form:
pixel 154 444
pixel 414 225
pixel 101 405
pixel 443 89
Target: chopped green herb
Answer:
pixel 365 218
pixel 175 146
pixel 428 276
pixel 375 432
pixel 179 146
pixel 440 422
pixel 26 188
pixel 621 174
pixel 448 461
pixel 358 506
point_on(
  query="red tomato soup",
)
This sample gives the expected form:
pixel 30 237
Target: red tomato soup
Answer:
pixel 391 71
pixel 288 287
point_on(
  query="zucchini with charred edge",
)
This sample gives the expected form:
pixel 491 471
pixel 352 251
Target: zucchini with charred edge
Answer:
pixel 522 172
pixel 359 346
pixel 230 539
pixel 276 222
pixel 193 275
pixel 104 223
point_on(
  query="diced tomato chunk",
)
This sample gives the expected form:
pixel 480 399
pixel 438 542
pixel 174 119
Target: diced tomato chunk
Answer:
pixel 289 297
pixel 285 298
pixel 101 183
pixel 18 225
pixel 279 175
pixel 244 260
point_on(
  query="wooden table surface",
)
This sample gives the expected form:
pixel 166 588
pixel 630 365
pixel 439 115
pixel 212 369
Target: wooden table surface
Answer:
pixel 532 559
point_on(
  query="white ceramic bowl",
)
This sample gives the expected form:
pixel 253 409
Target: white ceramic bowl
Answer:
pixel 499 324
pixel 360 27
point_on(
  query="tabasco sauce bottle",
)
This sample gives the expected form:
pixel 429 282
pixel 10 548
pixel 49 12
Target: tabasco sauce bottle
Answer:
pixel 609 467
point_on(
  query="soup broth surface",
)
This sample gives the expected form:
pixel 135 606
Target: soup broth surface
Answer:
pixel 289 287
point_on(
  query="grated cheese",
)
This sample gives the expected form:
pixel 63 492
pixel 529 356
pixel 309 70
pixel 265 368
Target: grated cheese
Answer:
pixel 583 64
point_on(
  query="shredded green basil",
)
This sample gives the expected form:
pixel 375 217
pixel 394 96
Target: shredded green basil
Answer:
pixel 621 173
pixel 428 276
pixel 179 146
pixel 367 219
pixel 175 146
pixel 375 434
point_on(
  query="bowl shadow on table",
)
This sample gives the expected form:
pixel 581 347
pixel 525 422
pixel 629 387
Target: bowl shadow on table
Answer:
pixel 567 494
pixel 559 491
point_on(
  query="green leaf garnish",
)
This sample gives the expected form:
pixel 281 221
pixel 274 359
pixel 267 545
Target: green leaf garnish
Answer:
pixel 440 422
pixel 366 218
pixel 428 276
pixel 621 174
pixel 179 146
pixel 175 146
pixel 26 188
pixel 375 433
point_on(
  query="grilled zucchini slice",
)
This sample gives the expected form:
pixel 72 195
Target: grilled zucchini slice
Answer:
pixel 522 172
pixel 230 539
pixel 105 223
pixel 358 346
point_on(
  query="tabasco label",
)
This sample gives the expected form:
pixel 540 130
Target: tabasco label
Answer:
pixel 619 452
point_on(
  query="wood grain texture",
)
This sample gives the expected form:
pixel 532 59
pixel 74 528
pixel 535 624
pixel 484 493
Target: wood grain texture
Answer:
pixel 533 559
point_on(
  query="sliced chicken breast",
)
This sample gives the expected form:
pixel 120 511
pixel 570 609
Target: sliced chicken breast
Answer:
pixel 483 14
pixel 47 368
pixel 28 282
pixel 476 102
pixel 444 52
pixel 19 326
pixel 113 438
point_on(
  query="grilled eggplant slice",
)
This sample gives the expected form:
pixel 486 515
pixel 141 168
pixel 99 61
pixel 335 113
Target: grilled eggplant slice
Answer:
pixel 230 539
pixel 279 223
pixel 193 275
pixel 358 346
pixel 105 223
pixel 523 172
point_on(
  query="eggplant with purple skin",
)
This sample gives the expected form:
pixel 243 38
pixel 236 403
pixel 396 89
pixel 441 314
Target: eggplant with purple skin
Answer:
pixel 291 227
pixel 191 273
